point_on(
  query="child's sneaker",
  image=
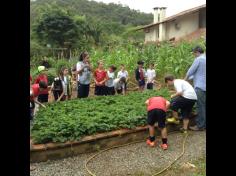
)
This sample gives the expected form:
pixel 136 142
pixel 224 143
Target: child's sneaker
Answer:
pixel 173 120
pixel 164 146
pixel 150 143
pixel 182 130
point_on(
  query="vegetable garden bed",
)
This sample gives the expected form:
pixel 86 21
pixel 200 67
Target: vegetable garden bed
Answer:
pixel 92 143
pixel 86 125
pixel 71 120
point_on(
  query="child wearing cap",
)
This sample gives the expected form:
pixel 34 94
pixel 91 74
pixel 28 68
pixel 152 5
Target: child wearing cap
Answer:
pixel 43 96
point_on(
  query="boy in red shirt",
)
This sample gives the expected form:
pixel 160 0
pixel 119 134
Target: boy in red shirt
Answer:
pixel 43 96
pixel 34 93
pixel 157 107
pixel 100 77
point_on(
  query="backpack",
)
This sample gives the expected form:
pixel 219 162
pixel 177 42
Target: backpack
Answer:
pixel 57 84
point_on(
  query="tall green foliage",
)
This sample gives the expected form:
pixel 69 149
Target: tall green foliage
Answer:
pixel 56 28
pixel 168 58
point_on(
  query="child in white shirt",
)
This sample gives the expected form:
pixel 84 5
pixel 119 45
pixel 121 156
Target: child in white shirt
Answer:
pixel 110 82
pixel 123 74
pixel 151 75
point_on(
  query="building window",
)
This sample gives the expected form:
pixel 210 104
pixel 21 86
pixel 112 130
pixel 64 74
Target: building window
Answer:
pixel 158 18
pixel 147 30
pixel 177 26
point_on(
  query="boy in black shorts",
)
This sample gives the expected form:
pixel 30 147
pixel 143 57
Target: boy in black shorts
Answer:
pixel 183 100
pixel 157 107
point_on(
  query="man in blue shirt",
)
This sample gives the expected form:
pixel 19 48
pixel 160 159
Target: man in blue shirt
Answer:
pixel 198 73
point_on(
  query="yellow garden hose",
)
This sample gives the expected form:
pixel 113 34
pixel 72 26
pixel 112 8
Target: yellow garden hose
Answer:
pixel 158 173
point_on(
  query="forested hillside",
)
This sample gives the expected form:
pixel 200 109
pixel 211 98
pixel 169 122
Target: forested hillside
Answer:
pixel 82 24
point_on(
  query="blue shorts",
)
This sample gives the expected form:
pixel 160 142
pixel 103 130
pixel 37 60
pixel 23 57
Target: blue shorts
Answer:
pixel 141 83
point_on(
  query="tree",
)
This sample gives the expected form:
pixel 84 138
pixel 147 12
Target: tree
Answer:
pixel 56 27
pixel 95 30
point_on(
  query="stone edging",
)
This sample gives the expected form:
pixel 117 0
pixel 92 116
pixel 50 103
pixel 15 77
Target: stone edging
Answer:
pixel 51 145
pixel 93 143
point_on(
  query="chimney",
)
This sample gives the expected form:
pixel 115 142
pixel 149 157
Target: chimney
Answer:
pixel 159 14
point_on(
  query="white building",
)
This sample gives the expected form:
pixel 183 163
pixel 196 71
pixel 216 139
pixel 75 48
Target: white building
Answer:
pixel 174 27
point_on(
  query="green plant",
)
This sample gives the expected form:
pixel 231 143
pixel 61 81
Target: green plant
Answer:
pixel 70 120
pixel 61 63
pixel 51 73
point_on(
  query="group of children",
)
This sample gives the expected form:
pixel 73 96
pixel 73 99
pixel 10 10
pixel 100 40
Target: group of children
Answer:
pixel 106 83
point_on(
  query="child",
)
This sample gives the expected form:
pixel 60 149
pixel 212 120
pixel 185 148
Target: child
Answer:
pixel 151 74
pixel 100 77
pixel 123 73
pixel 119 85
pixel 74 78
pixel 35 91
pixel 157 107
pixel 83 69
pixel 140 75
pixel 43 96
pixel 110 81
pixel 58 88
pixel 73 73
pixel 184 99
pixel 67 82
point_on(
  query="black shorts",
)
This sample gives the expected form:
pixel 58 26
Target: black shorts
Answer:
pixel 119 91
pixel 83 90
pixel 57 94
pixel 111 91
pixel 157 115
pixel 32 110
pixel 141 83
pixel 31 113
pixel 185 105
pixel 100 90
pixel 43 98
pixel 149 85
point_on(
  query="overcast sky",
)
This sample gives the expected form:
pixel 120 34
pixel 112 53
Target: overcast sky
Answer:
pixel 173 6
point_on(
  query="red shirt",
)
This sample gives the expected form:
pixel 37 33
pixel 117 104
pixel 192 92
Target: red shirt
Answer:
pixel 157 103
pixel 35 91
pixel 44 78
pixel 141 74
pixel 100 75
